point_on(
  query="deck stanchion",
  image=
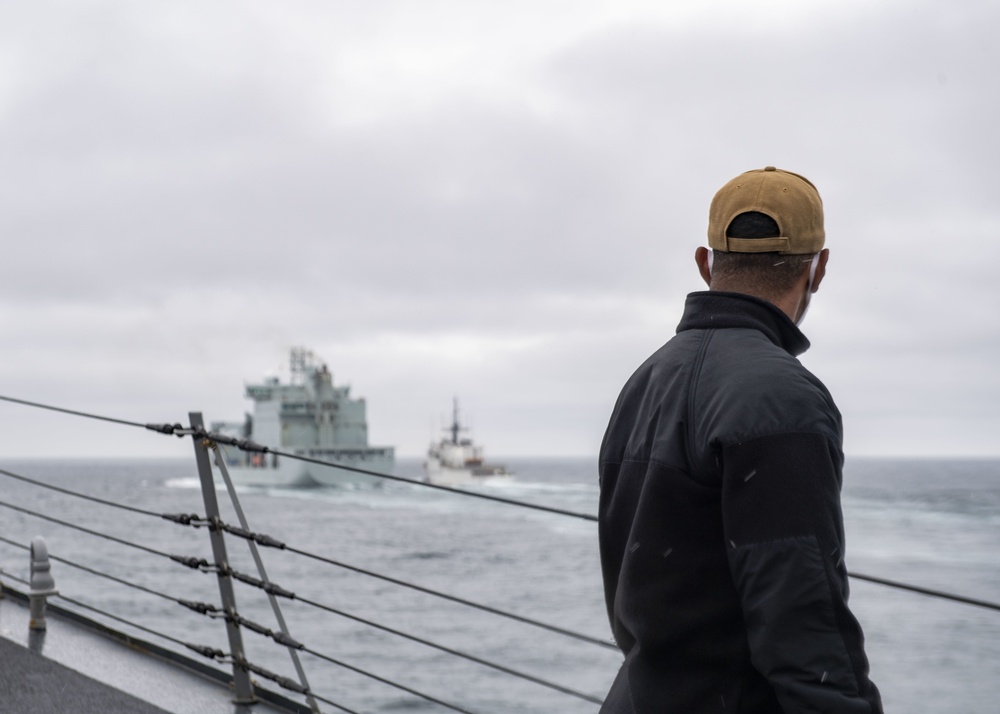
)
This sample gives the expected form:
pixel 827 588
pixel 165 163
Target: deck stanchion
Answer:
pixel 241 677
pixel 42 583
pixel 220 463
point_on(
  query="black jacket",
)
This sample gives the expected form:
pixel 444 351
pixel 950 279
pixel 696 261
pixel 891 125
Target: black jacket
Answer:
pixel 721 534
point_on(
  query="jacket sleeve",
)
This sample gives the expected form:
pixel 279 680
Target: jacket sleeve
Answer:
pixel 784 528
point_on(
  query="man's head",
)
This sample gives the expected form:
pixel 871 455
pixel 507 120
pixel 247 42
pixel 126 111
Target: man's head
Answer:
pixel 765 229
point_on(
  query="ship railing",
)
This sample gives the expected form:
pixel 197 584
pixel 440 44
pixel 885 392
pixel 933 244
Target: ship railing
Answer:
pixel 213 558
pixel 130 535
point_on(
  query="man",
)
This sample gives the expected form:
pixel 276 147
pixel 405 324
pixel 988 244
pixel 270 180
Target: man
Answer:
pixel 721 534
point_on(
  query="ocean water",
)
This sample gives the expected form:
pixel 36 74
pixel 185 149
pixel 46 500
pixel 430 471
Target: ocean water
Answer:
pixel 934 524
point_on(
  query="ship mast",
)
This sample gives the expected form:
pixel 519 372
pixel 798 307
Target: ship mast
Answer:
pixel 455 428
pixel 300 362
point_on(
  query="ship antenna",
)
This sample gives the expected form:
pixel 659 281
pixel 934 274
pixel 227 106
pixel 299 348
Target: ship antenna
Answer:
pixel 296 364
pixel 300 362
pixel 454 423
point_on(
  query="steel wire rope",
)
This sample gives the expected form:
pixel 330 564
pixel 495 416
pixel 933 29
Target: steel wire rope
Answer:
pixel 424 484
pixel 927 591
pixel 92 571
pixel 389 682
pixel 340 663
pixel 77 494
pixel 453 598
pixel 72 412
pixel 586 638
pixel 284 683
pixel 201 608
pixel 270 586
pixel 136 625
pixel 88 531
pixel 95 609
pixel 456 653
pixel 11 576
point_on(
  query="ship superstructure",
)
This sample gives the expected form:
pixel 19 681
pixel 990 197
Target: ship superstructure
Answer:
pixel 309 416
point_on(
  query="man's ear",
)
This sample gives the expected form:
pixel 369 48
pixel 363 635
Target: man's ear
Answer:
pixel 701 256
pixel 824 256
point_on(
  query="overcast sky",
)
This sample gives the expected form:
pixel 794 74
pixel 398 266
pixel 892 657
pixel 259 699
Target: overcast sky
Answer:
pixel 494 200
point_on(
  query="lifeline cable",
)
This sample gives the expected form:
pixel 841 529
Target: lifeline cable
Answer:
pixel 92 571
pixel 455 599
pixel 389 682
pixel 85 530
pixel 201 608
pixel 413 638
pixel 13 577
pixel 879 581
pixel 77 494
pixel 128 622
pixel 73 412
pixel 283 682
pixel 191 562
pixel 447 489
pixel 927 591
pixel 282 639
pixel 456 653
pixel 245 445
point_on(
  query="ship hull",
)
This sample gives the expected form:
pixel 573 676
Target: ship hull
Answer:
pixel 441 474
pixel 293 473
pixel 379 461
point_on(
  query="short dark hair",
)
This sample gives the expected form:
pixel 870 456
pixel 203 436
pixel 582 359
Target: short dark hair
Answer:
pixel 767 275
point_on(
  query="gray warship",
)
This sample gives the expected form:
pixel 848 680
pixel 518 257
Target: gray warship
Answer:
pixel 458 461
pixel 311 417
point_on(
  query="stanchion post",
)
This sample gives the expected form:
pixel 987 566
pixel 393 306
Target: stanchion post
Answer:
pixel 42 583
pixel 241 677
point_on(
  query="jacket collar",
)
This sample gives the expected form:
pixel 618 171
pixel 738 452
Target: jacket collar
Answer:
pixel 711 309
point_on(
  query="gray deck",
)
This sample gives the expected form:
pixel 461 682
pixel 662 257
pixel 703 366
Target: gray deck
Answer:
pixel 31 683
pixel 72 668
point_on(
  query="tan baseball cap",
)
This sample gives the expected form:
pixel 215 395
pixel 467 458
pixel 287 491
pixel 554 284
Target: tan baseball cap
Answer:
pixel 791 200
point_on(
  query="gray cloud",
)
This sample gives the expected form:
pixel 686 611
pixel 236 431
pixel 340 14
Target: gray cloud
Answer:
pixel 467 206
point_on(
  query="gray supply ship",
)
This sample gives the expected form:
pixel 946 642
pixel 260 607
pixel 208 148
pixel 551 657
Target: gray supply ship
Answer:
pixel 309 417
